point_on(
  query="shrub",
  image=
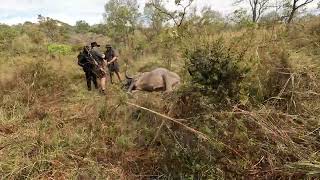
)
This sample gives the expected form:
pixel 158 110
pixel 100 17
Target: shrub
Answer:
pixel 77 48
pixel 59 49
pixel 7 34
pixel 216 70
pixel 22 44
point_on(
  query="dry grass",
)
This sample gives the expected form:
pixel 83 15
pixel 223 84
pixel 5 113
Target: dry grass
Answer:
pixel 51 127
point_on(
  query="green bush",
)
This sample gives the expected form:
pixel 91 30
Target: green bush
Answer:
pixel 59 49
pixel 7 34
pixel 216 70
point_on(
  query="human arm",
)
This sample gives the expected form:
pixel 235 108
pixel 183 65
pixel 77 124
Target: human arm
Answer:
pixel 113 60
pixel 115 57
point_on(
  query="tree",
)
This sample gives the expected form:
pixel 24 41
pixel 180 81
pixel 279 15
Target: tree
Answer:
pixel 258 7
pixel 99 29
pixel 294 6
pixel 154 18
pixel 82 26
pixel 240 17
pixel 210 16
pixel 270 17
pixel 50 27
pixel 7 34
pixel 208 20
pixel 121 17
pixel 177 16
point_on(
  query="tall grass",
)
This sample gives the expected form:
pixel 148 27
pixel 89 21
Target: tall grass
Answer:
pixel 51 127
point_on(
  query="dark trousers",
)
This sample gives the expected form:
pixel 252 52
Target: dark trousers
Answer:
pixel 91 77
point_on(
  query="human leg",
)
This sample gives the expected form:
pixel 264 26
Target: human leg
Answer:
pixel 103 83
pixel 103 77
pixel 117 70
pixel 94 80
pixel 88 79
pixel 110 75
pixel 118 75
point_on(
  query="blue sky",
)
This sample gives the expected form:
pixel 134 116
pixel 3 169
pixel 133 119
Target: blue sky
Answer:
pixel 69 11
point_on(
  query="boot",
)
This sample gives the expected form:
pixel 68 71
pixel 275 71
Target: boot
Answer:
pixel 89 85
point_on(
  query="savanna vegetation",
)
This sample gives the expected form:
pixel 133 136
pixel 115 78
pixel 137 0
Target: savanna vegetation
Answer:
pixel 248 106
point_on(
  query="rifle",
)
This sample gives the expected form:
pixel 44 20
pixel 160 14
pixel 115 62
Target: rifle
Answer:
pixel 97 67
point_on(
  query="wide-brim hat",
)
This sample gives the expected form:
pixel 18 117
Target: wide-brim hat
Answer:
pixel 108 46
pixel 95 44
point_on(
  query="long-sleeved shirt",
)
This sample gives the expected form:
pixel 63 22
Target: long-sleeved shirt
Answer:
pixel 97 55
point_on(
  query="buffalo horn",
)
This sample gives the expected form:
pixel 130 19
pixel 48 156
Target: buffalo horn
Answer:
pixel 127 76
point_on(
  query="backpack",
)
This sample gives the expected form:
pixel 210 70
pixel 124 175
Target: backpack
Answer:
pixel 82 60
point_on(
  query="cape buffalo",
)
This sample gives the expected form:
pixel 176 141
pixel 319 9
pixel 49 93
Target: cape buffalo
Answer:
pixel 159 79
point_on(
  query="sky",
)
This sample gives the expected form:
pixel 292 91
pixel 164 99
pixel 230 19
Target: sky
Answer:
pixel 70 11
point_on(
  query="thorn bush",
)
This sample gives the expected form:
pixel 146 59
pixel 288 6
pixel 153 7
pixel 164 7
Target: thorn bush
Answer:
pixel 216 71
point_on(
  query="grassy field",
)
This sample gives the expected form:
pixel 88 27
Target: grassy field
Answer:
pixel 51 127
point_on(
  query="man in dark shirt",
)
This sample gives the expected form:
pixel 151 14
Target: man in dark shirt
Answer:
pixel 85 62
pixel 112 62
pixel 99 57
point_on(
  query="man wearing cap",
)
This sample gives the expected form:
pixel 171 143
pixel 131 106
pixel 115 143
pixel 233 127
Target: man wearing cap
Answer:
pixel 112 61
pixel 99 57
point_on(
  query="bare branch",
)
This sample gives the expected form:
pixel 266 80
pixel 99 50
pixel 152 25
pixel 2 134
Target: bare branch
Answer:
pixel 184 13
pixel 177 18
pixel 258 7
pixel 165 12
pixel 295 7
pixel 305 3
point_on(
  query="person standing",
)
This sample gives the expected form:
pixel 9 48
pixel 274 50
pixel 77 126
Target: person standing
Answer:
pixel 99 58
pixel 85 62
pixel 112 62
